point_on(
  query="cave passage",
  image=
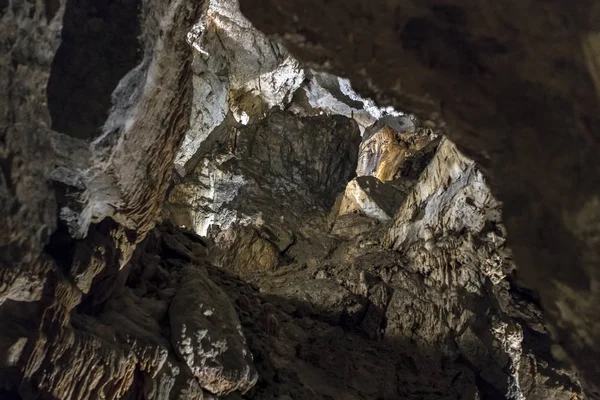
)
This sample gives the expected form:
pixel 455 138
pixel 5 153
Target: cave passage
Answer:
pixel 254 228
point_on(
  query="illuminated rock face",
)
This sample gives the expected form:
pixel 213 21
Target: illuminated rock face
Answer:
pixel 190 211
pixel 519 92
pixel 388 144
pixel 237 70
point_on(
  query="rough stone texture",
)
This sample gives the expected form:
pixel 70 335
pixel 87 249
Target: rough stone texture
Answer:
pixel 207 334
pixel 369 196
pixel 245 249
pixel 388 144
pixel 27 205
pixel 123 173
pixel 426 303
pixel 517 84
pixel 303 162
pixel 237 70
pixel 427 306
pixel 78 105
pixel 138 145
pixel 392 155
pixel 137 120
pixel 324 93
pixel 52 276
pixel 119 346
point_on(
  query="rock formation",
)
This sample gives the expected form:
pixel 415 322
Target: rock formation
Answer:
pixel 517 83
pixel 192 209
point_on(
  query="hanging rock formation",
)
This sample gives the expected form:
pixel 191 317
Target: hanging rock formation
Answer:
pixel 237 70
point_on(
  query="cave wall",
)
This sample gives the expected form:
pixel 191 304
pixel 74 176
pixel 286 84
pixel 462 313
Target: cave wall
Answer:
pixel 28 214
pixel 79 105
pixel 516 82
pixel 97 303
pixel 58 187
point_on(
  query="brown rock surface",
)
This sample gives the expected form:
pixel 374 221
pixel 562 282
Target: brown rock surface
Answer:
pixel 206 334
pixel 516 83
pixel 404 288
pixel 429 297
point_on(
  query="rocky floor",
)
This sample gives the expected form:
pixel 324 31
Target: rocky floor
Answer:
pixel 425 306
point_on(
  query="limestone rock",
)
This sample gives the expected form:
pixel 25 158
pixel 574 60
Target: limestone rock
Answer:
pixel 526 114
pixel 27 203
pixel 206 334
pixel 243 251
pixel 285 157
pixel 304 162
pixel 351 225
pixel 325 93
pixel 393 150
pixel 337 304
pixel 404 288
pixel 388 144
pixel 133 146
pixel 375 199
pixel 237 70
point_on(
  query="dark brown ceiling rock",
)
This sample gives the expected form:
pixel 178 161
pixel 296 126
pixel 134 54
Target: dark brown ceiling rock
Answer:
pixel 516 82
pixel 77 104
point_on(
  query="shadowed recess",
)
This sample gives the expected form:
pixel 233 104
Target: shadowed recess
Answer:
pixel 99 46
